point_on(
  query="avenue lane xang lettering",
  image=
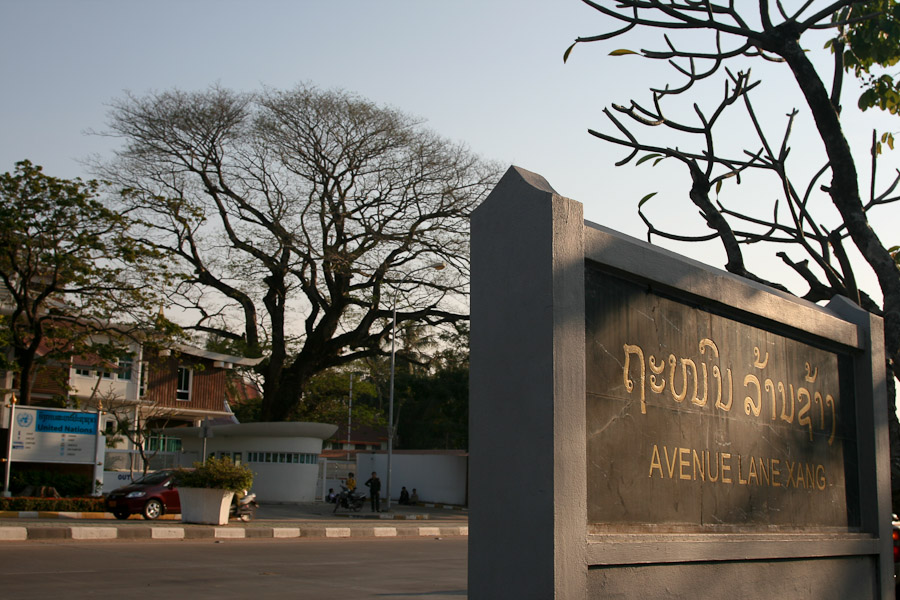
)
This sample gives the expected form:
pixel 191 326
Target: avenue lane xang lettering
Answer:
pixel 724 467
pixel 697 421
pixel 806 399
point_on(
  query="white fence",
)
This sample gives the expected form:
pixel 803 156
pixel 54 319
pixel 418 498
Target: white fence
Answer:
pixel 121 466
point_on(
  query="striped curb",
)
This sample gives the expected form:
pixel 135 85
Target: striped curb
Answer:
pixel 43 514
pixel 105 533
pixel 94 533
pixel 439 505
pixel 62 515
pixel 13 534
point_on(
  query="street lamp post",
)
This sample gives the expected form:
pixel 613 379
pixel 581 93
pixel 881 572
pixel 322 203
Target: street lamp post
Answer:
pixel 437 267
pixel 7 462
pixel 350 416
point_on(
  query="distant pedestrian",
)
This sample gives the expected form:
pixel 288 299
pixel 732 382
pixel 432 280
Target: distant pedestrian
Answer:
pixel 414 499
pixel 351 482
pixel 374 485
pixel 404 495
pixel 331 495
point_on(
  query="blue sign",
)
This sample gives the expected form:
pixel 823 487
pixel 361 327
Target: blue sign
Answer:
pixel 47 435
pixel 52 421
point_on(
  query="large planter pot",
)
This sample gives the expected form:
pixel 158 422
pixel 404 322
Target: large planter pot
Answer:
pixel 204 505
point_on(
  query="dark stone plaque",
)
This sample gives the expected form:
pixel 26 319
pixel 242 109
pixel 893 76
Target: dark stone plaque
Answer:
pixel 697 422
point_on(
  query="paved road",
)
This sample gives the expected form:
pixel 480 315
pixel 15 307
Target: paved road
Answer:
pixel 367 568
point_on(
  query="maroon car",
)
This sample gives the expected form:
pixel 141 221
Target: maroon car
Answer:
pixel 151 496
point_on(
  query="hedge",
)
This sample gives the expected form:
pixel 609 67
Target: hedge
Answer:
pixel 20 503
pixel 66 484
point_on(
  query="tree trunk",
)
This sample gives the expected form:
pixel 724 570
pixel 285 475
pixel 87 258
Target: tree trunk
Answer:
pixel 844 193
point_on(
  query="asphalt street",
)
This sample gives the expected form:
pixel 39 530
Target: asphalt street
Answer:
pixel 324 569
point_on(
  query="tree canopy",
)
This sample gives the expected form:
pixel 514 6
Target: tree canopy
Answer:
pixel 68 269
pixel 867 45
pixel 297 219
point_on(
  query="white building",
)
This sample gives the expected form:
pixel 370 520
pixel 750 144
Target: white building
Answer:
pixel 284 457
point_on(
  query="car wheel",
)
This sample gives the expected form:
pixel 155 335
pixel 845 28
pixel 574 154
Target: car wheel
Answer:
pixel 121 515
pixel 153 509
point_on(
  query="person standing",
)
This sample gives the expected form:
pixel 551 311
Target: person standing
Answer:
pixel 374 485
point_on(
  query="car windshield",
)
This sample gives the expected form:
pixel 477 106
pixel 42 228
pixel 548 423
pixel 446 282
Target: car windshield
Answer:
pixel 153 478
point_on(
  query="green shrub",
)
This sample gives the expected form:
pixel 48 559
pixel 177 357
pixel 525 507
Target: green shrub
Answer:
pixel 67 484
pixel 20 503
pixel 216 473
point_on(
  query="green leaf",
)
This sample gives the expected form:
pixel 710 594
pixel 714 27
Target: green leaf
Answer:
pixel 646 158
pixel 622 52
pixel 645 198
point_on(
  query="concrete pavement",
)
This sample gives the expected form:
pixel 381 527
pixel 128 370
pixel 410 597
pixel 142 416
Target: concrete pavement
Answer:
pixel 273 521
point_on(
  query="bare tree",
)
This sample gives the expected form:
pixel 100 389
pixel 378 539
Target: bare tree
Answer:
pixel 296 218
pixel 765 31
pixel 136 422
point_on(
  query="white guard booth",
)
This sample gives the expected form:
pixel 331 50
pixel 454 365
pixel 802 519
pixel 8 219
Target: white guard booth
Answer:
pixel 284 457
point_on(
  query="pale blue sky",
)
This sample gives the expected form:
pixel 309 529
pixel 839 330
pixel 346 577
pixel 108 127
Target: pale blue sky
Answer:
pixel 485 72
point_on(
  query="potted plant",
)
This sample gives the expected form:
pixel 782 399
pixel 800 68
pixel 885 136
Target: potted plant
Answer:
pixel 206 490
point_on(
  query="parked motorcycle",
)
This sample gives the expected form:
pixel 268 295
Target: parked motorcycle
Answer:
pixel 349 499
pixel 243 506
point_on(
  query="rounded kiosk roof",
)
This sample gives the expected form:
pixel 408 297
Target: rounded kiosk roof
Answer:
pixel 288 429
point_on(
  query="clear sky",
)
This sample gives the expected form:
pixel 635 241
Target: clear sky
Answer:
pixel 485 72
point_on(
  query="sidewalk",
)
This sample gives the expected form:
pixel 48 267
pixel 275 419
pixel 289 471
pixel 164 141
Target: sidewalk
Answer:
pixel 273 521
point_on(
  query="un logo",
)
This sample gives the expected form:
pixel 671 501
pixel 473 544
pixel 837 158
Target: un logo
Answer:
pixel 24 419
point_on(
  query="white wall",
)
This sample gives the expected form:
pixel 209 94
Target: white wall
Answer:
pixel 437 478
pixel 115 479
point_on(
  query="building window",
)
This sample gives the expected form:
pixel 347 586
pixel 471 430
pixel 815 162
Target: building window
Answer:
pixel 126 365
pixel 281 457
pixel 142 380
pixel 83 371
pixel 162 443
pixel 183 392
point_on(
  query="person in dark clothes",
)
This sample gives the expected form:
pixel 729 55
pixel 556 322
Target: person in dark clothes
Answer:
pixel 374 485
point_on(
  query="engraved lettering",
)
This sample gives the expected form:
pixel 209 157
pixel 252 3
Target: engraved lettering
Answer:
pixel 829 400
pixel 759 364
pixel 803 417
pixel 685 363
pixel 810 376
pixel 789 418
pixel 749 404
pixel 724 466
pixel 727 406
pixel 629 383
pixel 683 463
pixel 698 465
pixel 671 464
pixel 655 462
pixel 656 368
pixel 770 387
